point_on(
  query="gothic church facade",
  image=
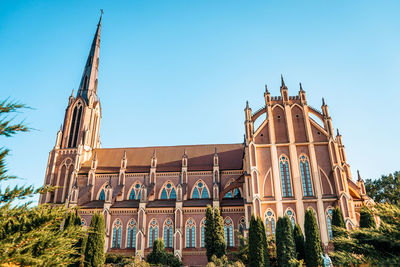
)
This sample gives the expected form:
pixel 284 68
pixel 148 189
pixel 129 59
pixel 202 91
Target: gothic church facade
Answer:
pixel 291 162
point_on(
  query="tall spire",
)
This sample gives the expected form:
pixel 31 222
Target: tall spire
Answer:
pixel 88 85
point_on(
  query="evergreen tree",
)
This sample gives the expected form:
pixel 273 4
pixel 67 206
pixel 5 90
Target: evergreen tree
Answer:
pixel 94 253
pixel 219 242
pixel 313 248
pixel 30 235
pixel 256 246
pixel 366 218
pixel 299 241
pixel 338 221
pixel 385 189
pixel 372 246
pixel 158 256
pixel 261 227
pixel 209 233
pixel 285 247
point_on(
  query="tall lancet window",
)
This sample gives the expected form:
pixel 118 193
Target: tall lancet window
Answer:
pixel 291 215
pixel 329 222
pixel 305 176
pixel 228 228
pixel 102 195
pixel 131 234
pixel 168 233
pixel 285 176
pixel 270 223
pixel 153 232
pixel 116 238
pixel 190 233
pixel 74 127
pixel 202 233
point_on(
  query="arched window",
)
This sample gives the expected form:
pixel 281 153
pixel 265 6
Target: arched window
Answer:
pixel 228 228
pixel 168 191
pixel 190 233
pixel 235 193
pixel 291 215
pixel 200 190
pixel 135 192
pixel 270 223
pixel 202 233
pixel 305 176
pixel 329 222
pixel 285 176
pixel 75 123
pixel 153 232
pixel 168 233
pixel 116 238
pixel 102 195
pixel 131 234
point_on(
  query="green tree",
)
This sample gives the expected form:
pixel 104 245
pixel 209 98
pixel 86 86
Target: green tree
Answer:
pixel 385 189
pixel 312 246
pixel 158 256
pixel 261 227
pixel 256 245
pixel 285 247
pixel 209 233
pixel 299 241
pixel 372 246
pixel 94 253
pixel 366 218
pixel 30 236
pixel 337 222
pixel 219 242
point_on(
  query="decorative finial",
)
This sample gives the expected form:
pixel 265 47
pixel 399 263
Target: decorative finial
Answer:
pixel 266 89
pixel 95 156
pixel 154 153
pixel 337 131
pixel 323 101
pixel 301 88
pixel 247 104
pixel 124 154
pixel 72 94
pixel 359 176
pixel 215 150
pixel 184 152
pixel 61 127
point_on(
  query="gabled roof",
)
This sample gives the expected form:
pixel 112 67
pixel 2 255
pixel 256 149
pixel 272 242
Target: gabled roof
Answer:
pixel 169 158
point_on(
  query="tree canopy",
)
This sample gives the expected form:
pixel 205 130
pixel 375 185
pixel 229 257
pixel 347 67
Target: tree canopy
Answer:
pixel 386 189
pixel 313 248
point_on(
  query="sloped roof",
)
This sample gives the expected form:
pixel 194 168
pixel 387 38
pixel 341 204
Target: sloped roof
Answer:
pixel 169 158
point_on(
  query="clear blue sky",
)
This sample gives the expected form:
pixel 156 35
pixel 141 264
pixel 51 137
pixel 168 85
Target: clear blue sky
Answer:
pixel 179 72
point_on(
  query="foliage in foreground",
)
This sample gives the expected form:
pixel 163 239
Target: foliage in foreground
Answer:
pixel 373 246
pixel 385 189
pixel 30 235
pixel 313 248
pixel 299 242
pixel 214 233
pixel 94 253
pixel 158 256
pixel 223 262
pixel 121 260
pixel 285 247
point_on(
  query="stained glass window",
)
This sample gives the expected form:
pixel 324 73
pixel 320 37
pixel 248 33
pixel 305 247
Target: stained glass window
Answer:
pixel 285 176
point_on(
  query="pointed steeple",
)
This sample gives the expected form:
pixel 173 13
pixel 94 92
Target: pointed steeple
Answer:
pixel 88 85
pixel 283 85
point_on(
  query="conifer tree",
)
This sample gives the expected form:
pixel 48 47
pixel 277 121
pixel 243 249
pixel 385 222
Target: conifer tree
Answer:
pixel 285 247
pixel 209 233
pixel 313 248
pixel 219 242
pixel 299 241
pixel 366 218
pixel 338 221
pixel 261 227
pixel 256 246
pixel 94 253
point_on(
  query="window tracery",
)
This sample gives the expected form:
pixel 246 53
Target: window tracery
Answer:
pixel 190 233
pixel 234 193
pixel 305 176
pixel 168 233
pixel 329 222
pixel 135 192
pixel 270 222
pixel 117 229
pixel 153 232
pixel 228 228
pixel 131 234
pixel 285 176
pixel 168 191
pixel 291 215
pixel 200 190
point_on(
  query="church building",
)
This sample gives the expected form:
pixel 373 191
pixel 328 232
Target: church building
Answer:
pixel 291 162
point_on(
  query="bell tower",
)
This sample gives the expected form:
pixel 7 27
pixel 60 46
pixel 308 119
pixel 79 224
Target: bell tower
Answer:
pixel 79 134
